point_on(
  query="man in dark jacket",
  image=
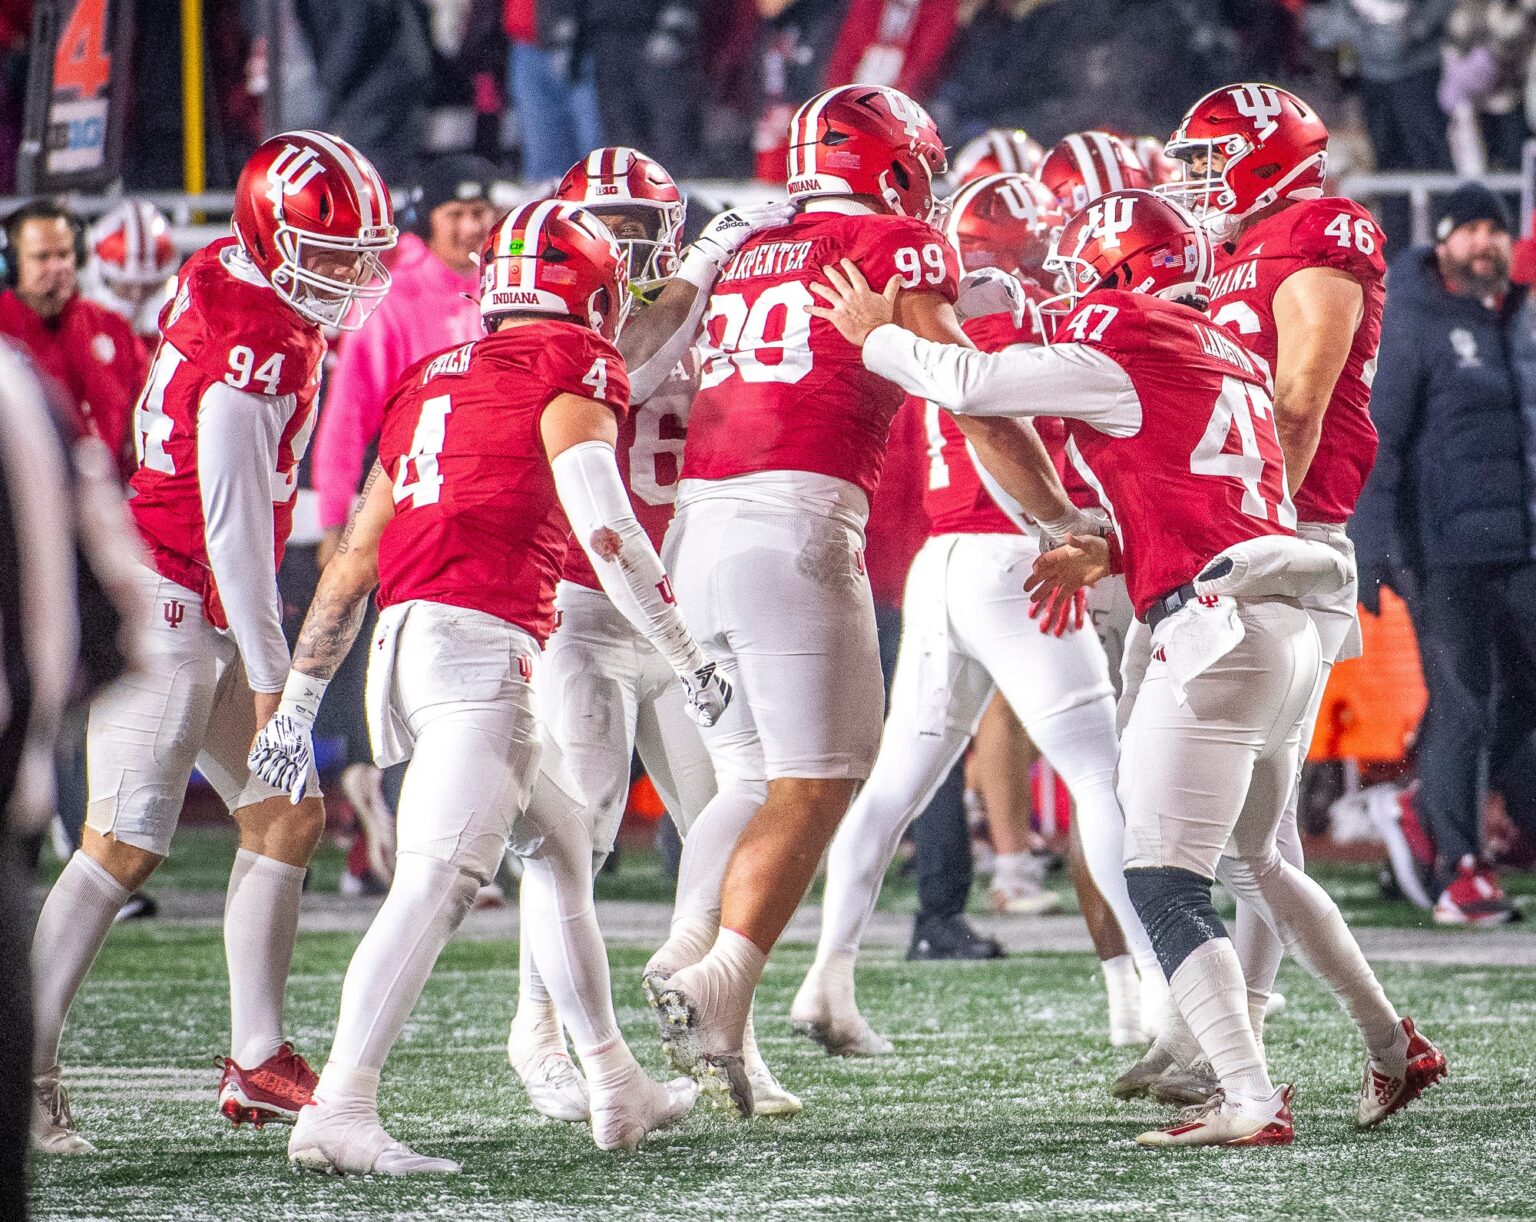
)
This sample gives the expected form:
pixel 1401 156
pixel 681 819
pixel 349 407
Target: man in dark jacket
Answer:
pixel 1447 518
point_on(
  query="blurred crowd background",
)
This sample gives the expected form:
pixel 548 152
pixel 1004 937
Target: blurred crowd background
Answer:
pixel 706 85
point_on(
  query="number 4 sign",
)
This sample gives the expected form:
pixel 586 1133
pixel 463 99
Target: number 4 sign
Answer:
pixel 72 138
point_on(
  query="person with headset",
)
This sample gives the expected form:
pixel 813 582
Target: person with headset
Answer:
pixel 92 353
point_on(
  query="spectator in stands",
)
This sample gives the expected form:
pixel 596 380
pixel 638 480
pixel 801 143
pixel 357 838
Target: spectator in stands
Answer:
pixel 551 81
pixel 92 353
pixel 649 77
pixel 1397 49
pixel 1448 518
pixel 373 61
pixel 431 305
pixel 1487 66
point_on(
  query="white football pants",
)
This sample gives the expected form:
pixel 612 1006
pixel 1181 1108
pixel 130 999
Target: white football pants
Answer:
pixel 966 632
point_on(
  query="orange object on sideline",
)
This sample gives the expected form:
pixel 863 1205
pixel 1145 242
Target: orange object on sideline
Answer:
pixel 1374 702
pixel 644 801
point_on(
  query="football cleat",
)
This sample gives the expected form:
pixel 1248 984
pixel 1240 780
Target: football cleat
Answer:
pixel 1190 1087
pixel 1136 1082
pixel 363 786
pixel 53 1126
pixel 555 1086
pixel 769 1098
pixel 841 1031
pixel 275 1090
pixel 1474 898
pixel 1392 1084
pixel 347 1139
pixel 624 1113
pixel 1229 1120
pixel 694 1046
pixel 951 937
pixel 1023 898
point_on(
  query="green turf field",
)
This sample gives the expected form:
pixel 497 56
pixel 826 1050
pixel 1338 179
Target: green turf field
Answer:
pixel 994 1104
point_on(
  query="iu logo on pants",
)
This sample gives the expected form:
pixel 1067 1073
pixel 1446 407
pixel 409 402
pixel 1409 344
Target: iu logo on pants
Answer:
pixel 175 611
pixel 525 667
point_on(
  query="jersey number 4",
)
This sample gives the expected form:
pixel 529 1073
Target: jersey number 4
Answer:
pixel 426 444
pixel 1238 406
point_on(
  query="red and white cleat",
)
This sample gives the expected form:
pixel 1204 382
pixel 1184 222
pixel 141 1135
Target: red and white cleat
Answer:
pixel 1391 1084
pixel 275 1090
pixel 1229 1120
pixel 1474 898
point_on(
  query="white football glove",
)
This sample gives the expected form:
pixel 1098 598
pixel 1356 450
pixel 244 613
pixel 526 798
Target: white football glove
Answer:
pixel 987 290
pixel 725 235
pixel 284 750
pixel 707 693
pixel 1079 522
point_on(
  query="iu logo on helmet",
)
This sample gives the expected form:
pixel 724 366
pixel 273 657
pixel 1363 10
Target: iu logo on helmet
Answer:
pixel 291 172
pixel 1017 201
pixel 1110 218
pixel 1259 103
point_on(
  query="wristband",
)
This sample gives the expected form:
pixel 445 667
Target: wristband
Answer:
pixel 698 268
pixel 302 695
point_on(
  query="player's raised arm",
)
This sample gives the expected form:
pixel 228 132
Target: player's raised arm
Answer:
pixel 655 339
pixel 1317 310
pixel 284 747
pixel 579 436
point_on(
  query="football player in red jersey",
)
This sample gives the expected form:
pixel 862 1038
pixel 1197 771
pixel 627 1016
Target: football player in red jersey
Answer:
pixel 487 451
pixel 605 691
pixel 1085 165
pixel 784 450
pixel 221 426
pixel 1299 279
pixel 1170 418
pixel 966 632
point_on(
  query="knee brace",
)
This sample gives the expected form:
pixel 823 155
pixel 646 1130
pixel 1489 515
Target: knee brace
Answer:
pixel 1175 908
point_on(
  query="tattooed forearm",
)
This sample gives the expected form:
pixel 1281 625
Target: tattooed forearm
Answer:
pixel 357 508
pixel 329 630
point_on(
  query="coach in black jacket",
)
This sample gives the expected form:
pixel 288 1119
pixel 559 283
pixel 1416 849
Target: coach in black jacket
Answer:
pixel 1448 518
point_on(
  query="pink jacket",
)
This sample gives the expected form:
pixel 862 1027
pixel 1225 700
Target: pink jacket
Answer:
pixel 426 310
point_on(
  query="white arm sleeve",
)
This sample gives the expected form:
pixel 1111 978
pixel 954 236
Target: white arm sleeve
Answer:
pixel 603 521
pixel 1050 380
pixel 646 377
pixel 237 437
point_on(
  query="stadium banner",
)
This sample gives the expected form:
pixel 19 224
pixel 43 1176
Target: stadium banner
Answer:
pixel 76 95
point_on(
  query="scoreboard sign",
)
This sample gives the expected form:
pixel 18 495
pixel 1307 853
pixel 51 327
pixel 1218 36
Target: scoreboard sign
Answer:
pixel 76 95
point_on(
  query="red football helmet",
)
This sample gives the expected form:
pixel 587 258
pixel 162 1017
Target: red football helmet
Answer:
pixel 1259 143
pixel 625 180
pixel 1003 150
pixel 1137 241
pixel 1086 165
pixel 554 257
pixel 1154 158
pixel 866 140
pixel 1008 221
pixel 314 216
pixel 131 247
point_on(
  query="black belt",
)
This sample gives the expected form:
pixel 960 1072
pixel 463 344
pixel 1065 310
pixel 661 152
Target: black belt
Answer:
pixel 1165 606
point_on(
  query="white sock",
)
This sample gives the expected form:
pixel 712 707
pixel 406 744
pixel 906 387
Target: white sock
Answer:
pixel 71 928
pixel 1157 1007
pixel 1208 987
pixel 1259 948
pixel 1079 743
pixel 427 901
pixel 261 924
pixel 1258 1004
pixel 725 980
pixel 347 1084
pixel 1123 987
pixel 536 1025
pixel 1011 870
pixel 687 942
pixel 833 976
pixel 707 850
pixel 567 943
pixel 1313 929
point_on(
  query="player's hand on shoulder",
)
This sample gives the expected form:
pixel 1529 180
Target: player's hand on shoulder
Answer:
pixel 989 290
pixel 707 694
pixel 853 307
pixel 729 231
pixel 1076 521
